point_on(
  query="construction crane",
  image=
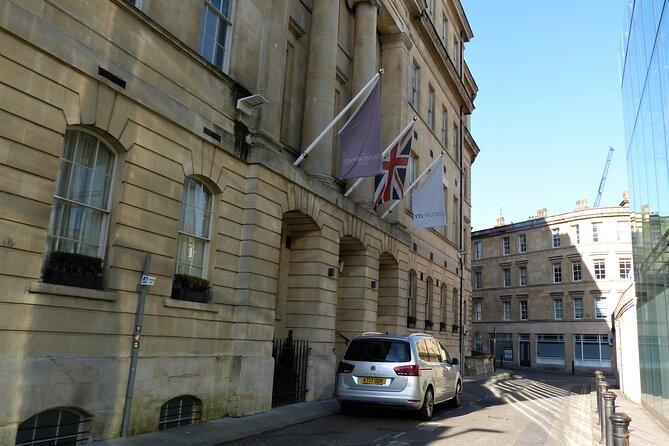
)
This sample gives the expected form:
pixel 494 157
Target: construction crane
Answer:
pixel 603 180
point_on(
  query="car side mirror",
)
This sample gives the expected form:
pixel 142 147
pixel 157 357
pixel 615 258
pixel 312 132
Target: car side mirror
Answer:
pixel 454 361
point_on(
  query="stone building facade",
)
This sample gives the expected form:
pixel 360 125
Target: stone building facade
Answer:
pixel 170 129
pixel 545 289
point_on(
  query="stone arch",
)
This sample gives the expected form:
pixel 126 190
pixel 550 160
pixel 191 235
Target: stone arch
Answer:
pixel 390 316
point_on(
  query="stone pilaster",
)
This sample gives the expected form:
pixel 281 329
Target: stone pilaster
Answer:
pixel 364 67
pixel 319 89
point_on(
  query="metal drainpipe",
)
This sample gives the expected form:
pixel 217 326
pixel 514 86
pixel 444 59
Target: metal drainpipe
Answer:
pixel 462 263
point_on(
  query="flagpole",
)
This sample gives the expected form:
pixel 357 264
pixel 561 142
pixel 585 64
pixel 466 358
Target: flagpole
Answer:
pixel 337 118
pixel 385 152
pixel 412 185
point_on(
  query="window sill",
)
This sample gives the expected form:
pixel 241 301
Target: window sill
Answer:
pixel 38 287
pixel 186 305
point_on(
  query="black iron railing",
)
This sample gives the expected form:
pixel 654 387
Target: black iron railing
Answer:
pixel 290 370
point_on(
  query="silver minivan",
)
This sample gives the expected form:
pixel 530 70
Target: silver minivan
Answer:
pixel 412 372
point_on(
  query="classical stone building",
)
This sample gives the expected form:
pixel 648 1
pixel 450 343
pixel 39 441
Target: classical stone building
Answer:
pixel 159 139
pixel 545 289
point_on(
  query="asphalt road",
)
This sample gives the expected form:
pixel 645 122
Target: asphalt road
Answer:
pixel 522 410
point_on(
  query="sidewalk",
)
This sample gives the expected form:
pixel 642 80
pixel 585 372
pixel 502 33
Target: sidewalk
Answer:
pixel 643 430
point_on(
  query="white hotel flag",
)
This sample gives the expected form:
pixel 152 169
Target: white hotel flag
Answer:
pixel 428 201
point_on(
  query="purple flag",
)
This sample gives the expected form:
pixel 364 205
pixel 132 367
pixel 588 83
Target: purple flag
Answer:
pixel 360 139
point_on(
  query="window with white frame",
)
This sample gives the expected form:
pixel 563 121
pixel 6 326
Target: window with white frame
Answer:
pixel 411 295
pixel 522 243
pixel 625 265
pixel 415 82
pixel 557 309
pixel 477 280
pixel 557 273
pixel 600 268
pixel 444 29
pixel 550 349
pixel 478 250
pixel 442 304
pixel 556 238
pixel 444 127
pixel 478 311
pixel 595 232
pixel 578 307
pixel 523 310
pixel 522 275
pixel 592 350
pixel 506 307
pixel 623 230
pixel 456 53
pixel 506 246
pixel 576 234
pixel 506 277
pixel 82 202
pixel 194 229
pixel 456 309
pixel 216 32
pixel 456 226
pixel 576 274
pixel 430 108
pixel 428 299
pixel 456 152
pixel 600 308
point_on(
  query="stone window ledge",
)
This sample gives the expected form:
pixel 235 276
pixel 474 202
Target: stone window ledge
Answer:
pixel 38 287
pixel 186 305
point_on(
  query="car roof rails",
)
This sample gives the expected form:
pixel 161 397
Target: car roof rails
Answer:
pixel 371 333
pixel 419 334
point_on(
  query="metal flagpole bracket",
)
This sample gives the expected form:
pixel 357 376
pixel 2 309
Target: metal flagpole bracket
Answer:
pixel 383 155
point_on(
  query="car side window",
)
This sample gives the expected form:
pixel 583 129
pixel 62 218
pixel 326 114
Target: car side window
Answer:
pixel 445 357
pixel 433 350
pixel 422 351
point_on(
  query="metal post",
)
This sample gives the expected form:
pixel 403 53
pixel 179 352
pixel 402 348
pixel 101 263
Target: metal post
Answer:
pixel 603 388
pixel 134 349
pixel 599 377
pixel 620 422
pixel 609 409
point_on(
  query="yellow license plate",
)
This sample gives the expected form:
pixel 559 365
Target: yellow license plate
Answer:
pixel 375 381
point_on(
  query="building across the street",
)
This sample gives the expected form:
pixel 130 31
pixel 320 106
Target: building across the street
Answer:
pixel 544 289
pixel 168 254
pixel 644 89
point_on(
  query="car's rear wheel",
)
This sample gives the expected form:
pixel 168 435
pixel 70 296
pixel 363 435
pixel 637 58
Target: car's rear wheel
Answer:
pixel 427 411
pixel 457 398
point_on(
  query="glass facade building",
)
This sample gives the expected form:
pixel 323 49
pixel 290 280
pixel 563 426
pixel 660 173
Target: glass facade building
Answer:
pixel 645 90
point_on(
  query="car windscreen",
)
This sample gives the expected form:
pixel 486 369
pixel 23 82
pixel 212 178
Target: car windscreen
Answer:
pixel 378 350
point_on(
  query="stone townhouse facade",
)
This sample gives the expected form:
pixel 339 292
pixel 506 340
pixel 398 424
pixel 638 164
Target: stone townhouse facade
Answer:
pixel 163 134
pixel 545 290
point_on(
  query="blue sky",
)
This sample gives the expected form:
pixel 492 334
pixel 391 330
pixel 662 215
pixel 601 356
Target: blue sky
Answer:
pixel 548 108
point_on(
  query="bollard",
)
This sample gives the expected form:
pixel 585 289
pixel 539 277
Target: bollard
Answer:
pixel 603 388
pixel 599 376
pixel 609 410
pixel 620 422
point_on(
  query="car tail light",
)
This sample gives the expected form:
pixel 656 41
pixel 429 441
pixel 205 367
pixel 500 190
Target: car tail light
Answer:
pixel 345 367
pixel 407 370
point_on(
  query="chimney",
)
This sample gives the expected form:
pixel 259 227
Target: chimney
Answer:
pixel 500 221
pixel 542 213
pixel 581 204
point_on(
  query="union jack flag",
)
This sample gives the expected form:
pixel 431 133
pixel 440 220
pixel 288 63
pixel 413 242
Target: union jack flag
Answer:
pixel 389 185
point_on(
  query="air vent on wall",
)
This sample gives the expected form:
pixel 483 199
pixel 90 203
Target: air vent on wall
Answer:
pixel 111 76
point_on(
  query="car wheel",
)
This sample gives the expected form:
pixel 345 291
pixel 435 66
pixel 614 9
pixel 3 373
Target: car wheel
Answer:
pixel 457 398
pixel 426 412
